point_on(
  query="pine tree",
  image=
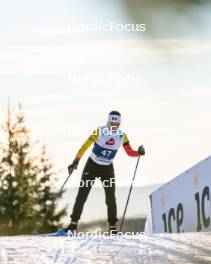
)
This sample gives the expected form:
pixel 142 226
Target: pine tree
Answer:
pixel 47 220
pixel 17 177
pixel 25 182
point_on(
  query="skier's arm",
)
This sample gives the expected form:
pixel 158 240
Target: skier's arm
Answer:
pixel 128 149
pixel 92 139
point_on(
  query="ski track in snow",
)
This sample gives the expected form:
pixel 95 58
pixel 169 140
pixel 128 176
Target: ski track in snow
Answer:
pixel 159 249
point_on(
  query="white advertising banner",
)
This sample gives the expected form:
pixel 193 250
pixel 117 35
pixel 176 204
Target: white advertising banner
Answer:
pixel 184 204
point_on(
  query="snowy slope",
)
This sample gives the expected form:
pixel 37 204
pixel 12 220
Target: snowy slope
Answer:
pixel 158 249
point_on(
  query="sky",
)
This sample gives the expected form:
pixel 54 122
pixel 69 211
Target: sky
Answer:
pixel 69 81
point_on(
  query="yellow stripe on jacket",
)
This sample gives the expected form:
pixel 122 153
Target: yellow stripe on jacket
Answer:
pixel 91 139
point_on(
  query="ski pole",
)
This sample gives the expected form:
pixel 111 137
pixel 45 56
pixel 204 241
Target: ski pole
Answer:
pixel 58 193
pixel 128 198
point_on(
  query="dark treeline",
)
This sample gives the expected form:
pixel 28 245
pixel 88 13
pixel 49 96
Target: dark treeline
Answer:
pixel 26 180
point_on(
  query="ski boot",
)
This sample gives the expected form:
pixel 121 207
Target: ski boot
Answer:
pixel 113 230
pixel 71 229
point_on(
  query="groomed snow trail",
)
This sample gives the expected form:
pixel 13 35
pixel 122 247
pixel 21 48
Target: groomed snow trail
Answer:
pixel 157 249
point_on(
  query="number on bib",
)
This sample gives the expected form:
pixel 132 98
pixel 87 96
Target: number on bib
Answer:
pixel 106 153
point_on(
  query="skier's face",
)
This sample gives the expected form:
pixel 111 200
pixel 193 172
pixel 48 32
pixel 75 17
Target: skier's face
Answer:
pixel 113 126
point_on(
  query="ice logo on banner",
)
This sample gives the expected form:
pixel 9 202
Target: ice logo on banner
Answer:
pixel 183 204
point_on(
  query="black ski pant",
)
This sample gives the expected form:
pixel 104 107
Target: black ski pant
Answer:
pixel 106 174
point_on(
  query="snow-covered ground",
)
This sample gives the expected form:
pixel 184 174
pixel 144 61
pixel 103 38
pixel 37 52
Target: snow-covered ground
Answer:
pixel 158 249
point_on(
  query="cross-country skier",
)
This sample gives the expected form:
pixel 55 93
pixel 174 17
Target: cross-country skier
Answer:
pixel 107 140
